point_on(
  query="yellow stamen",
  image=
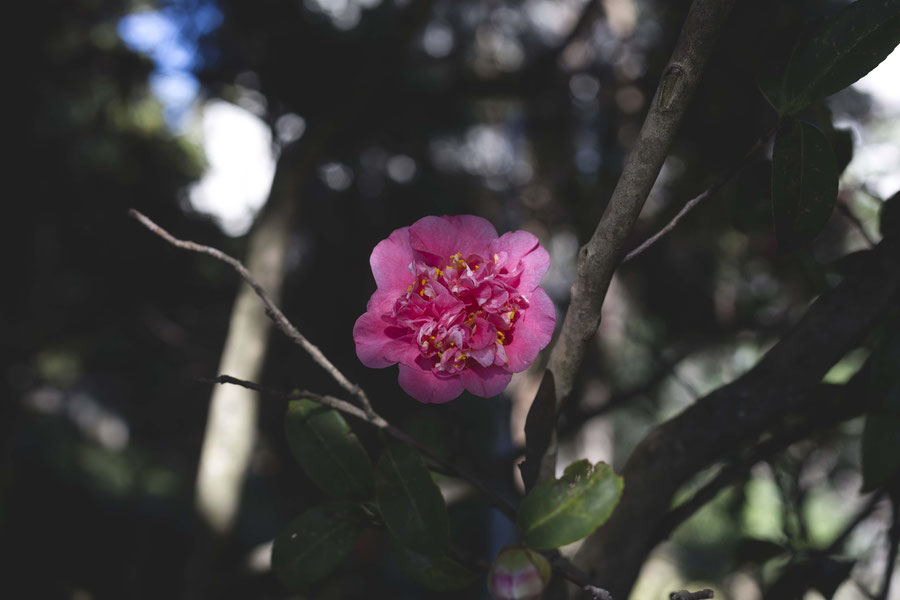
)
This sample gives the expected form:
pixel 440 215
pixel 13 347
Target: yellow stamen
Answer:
pixel 501 337
pixel 422 292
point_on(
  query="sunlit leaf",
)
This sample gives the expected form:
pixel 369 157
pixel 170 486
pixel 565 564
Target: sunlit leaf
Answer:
pixel 313 544
pixel 410 502
pixel 328 450
pixel 439 573
pixel 845 47
pixel 560 511
pixel 804 183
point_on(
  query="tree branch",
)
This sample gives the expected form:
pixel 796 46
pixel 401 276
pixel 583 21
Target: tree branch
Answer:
pixel 693 202
pixel 686 595
pixel 329 401
pixel 600 256
pixel 833 404
pixel 398 434
pixel 273 311
pixel 735 414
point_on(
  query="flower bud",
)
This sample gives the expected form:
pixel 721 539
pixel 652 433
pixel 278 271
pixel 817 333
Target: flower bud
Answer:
pixel 519 573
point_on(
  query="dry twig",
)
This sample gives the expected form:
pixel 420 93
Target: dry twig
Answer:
pixel 273 311
pixel 693 202
pixel 686 595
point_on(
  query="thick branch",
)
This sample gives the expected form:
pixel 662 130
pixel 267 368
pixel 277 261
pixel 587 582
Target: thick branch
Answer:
pixel 600 256
pixel 830 405
pixel 729 417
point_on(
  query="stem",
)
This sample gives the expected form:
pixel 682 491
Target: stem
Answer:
pixel 376 420
pixel 274 313
pixel 600 256
pixel 693 202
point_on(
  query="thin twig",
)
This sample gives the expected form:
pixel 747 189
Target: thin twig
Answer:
pixel 330 401
pixel 838 542
pixel 500 503
pixel 274 313
pixel 686 595
pixel 693 202
pixel 568 570
pixel 851 216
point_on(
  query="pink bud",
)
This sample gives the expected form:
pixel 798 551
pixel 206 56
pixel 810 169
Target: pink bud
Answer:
pixel 519 573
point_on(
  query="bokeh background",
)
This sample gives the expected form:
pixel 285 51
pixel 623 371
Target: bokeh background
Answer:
pixel 369 114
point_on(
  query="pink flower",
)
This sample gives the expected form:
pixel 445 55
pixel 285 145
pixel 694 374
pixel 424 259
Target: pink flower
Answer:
pixel 457 306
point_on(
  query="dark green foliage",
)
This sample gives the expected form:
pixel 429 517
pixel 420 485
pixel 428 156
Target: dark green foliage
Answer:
pixel 440 573
pixel 410 502
pixel 804 183
pixel 881 436
pixel 313 544
pixel 848 45
pixel 328 450
pixel 560 511
pixel 889 219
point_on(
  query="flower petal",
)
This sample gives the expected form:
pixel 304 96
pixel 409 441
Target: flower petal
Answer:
pixel 427 387
pixel 486 382
pixel 382 301
pixel 532 332
pixel 390 262
pixel 443 236
pixel 379 344
pixel 525 247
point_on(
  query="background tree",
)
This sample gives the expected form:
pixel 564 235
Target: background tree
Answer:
pixel 519 112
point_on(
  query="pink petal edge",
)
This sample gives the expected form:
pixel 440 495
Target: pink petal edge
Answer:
pixel 376 348
pixel 524 246
pixel 533 332
pixel 485 382
pixel 446 235
pixel 390 262
pixel 427 387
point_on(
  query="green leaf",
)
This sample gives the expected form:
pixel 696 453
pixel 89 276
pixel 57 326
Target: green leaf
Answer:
pixel 410 502
pixel 564 510
pixel 845 47
pixel 539 431
pixel 881 435
pixel 889 219
pixel 313 544
pixel 327 450
pixel 439 573
pixel 804 183
pixel 756 551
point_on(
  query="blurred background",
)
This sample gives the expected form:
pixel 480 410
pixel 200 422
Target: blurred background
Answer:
pixel 367 115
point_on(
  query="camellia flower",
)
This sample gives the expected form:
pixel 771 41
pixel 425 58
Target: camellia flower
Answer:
pixel 457 306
